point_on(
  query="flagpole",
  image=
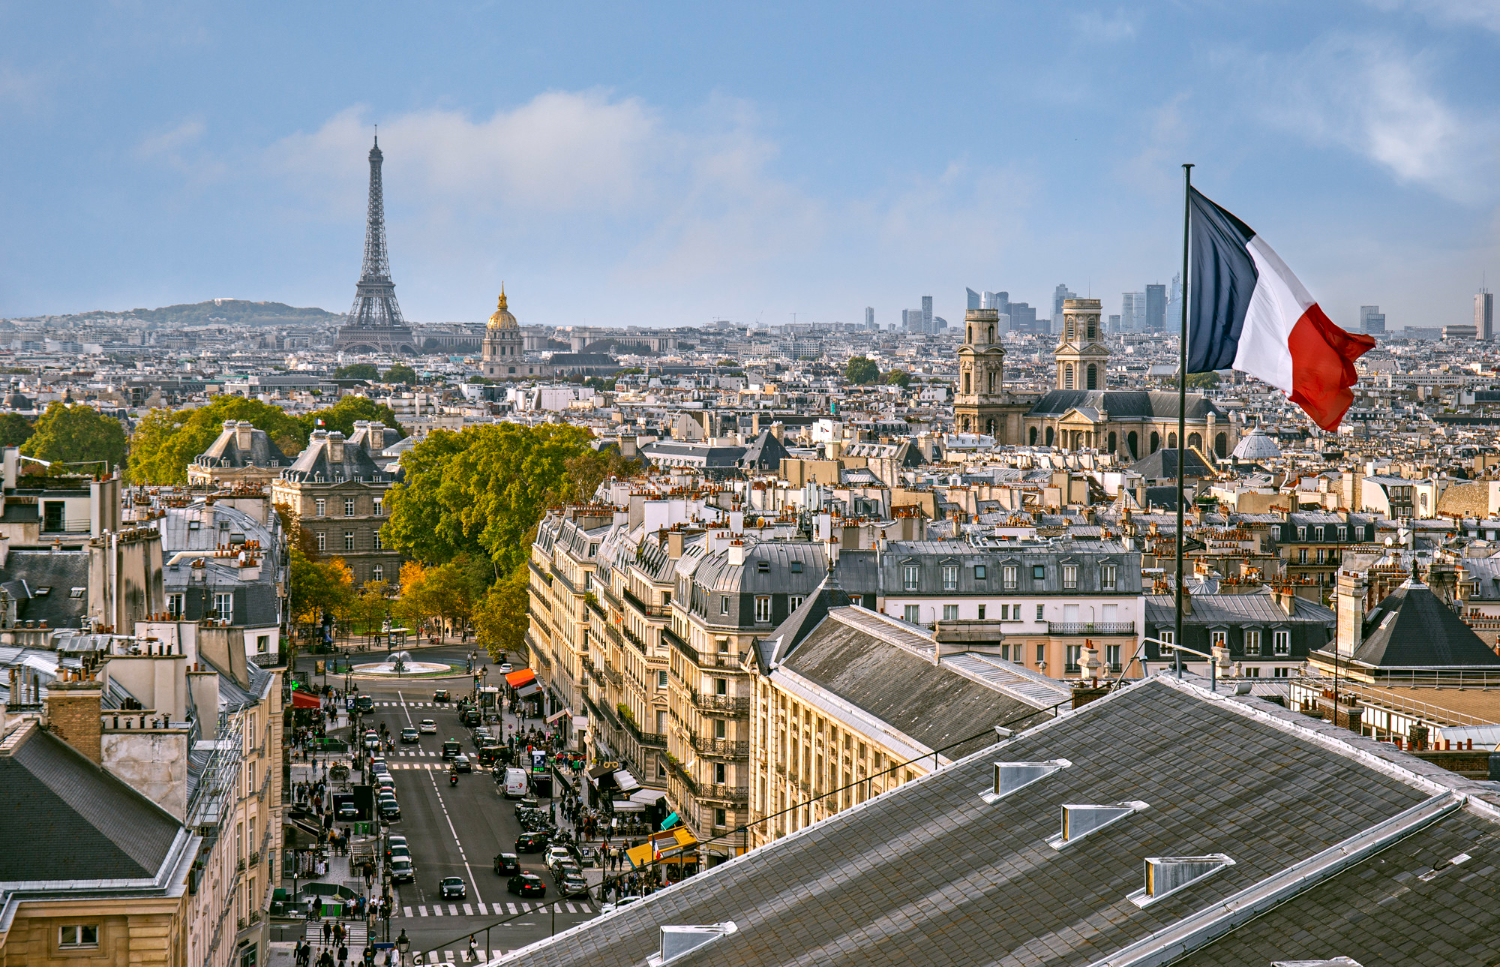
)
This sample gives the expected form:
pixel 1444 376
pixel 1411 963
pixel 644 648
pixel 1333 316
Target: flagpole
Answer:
pixel 1182 343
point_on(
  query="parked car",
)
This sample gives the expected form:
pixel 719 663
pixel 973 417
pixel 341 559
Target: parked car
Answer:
pixel 392 842
pixel 555 855
pixel 566 868
pixel 482 737
pixel 427 727
pixel 572 884
pixel 531 842
pixel 403 871
pixel 452 888
pixel 507 864
pixel 409 735
pixel 516 785
pixel 624 901
pixel 400 852
pixel 440 695
pixel 527 884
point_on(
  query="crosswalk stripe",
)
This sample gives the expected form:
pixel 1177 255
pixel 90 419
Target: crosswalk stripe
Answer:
pixel 421 911
pixel 448 955
pixel 482 911
pixel 468 910
pixel 437 909
pixel 452 910
pixel 511 909
pixel 408 910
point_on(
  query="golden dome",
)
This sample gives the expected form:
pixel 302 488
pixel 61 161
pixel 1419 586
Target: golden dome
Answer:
pixel 502 319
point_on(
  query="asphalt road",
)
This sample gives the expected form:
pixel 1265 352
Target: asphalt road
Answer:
pixel 456 831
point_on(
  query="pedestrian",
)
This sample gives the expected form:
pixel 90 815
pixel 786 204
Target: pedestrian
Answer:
pixel 327 932
pixel 343 955
pixel 472 955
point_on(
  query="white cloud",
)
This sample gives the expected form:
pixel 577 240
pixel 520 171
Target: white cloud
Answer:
pixel 1098 26
pixel 1370 96
pixel 1463 13
pixel 180 149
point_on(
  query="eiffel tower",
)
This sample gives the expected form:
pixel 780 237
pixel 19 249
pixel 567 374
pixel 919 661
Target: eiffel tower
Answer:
pixel 375 324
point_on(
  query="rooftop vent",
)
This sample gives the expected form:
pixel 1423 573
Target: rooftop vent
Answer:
pixel 1166 875
pixel 1011 776
pixel 1078 820
pixel 680 940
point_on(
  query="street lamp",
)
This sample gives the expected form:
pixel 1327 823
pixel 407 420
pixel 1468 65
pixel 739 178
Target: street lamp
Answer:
pixel 402 946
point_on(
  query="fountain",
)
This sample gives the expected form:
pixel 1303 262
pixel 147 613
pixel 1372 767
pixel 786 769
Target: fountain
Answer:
pixel 399 663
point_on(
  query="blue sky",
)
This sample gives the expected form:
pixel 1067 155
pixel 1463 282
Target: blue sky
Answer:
pixel 666 164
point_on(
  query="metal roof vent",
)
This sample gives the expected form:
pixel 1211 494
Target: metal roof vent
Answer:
pixel 1330 962
pixel 1011 776
pixel 1078 820
pixel 680 940
pixel 1166 875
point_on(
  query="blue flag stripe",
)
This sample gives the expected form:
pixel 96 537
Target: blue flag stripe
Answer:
pixel 1223 278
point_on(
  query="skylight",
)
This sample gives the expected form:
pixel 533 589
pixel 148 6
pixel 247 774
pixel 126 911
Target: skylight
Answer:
pixel 1013 776
pixel 1079 820
pixel 677 941
pixel 1165 875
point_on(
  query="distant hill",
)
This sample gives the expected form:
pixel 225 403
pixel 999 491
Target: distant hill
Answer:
pixel 234 312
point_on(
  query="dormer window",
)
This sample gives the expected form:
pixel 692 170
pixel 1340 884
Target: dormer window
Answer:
pixel 763 567
pixel 796 567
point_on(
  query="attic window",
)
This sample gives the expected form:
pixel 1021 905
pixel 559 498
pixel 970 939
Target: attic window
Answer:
pixel 1080 820
pixel 76 593
pixel 796 567
pixel 41 592
pixel 1165 875
pixel 1013 776
pixel 678 941
pixel 762 567
pixel 194 525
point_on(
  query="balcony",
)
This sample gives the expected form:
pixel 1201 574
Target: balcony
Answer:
pixel 540 573
pixel 720 659
pixel 653 740
pixel 669 637
pixel 651 611
pixel 721 747
pixel 721 703
pixel 710 792
pixel 640 645
pixel 1075 628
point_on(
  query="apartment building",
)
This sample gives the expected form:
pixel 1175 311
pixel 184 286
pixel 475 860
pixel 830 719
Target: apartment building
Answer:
pixel 242 455
pixel 1311 545
pixel 564 557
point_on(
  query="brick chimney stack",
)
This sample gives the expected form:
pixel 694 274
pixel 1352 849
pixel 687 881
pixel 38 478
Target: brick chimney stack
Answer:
pixel 73 709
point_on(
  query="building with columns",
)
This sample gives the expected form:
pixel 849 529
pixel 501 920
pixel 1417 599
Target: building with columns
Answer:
pixel 982 404
pixel 504 345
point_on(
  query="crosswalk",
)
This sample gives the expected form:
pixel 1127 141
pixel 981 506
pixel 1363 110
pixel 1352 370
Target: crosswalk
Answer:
pixel 439 766
pixel 446 705
pixel 515 908
pixel 355 937
pixel 462 956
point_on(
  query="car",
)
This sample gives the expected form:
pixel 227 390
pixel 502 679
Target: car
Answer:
pixel 364 703
pixel 386 782
pixel 408 736
pixel 372 740
pixel 390 812
pixel 531 842
pixel 427 727
pixel 348 812
pixel 463 763
pixel 555 855
pixel 379 767
pixel 452 888
pixel 619 904
pixel 587 856
pixel 507 864
pixel 403 870
pixel 482 737
pixel 469 716
pixel 490 754
pixel 394 842
pixel 440 695
pixel 505 668
pixel 526 884
pixel 400 852
pixel 566 868
pixel 451 748
pixel 572 884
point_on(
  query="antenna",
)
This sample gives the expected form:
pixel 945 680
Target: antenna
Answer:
pixel 377 135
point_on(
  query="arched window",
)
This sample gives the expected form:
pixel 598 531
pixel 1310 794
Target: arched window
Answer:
pixel 966 382
pixel 989 427
pixel 1111 439
pixel 1031 436
pixel 1050 436
pixel 1068 376
pixel 992 382
pixel 1132 443
pixel 1093 376
pixel 1195 441
pixel 992 333
pixel 1171 441
pixel 1091 329
pixel 1069 335
pixel 966 424
pixel 1221 445
pixel 1155 441
pixel 971 334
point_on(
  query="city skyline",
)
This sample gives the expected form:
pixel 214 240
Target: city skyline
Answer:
pixel 177 155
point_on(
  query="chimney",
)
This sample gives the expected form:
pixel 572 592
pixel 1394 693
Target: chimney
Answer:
pixel 736 553
pixel 1187 600
pixel 375 438
pixel 243 435
pixel 335 447
pixel 1287 598
pixel 203 685
pixel 73 709
pixel 674 544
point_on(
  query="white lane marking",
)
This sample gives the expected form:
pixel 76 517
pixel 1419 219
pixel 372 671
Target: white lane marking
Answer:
pixel 452 910
pixel 483 912
pixel 422 911
pixel 408 910
pixel 468 910
pixel 511 909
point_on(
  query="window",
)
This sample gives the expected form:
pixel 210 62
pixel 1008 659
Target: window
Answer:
pixel 1318 533
pixel 224 606
pixel 263 643
pixel 796 567
pixel 661 679
pixel 1040 613
pixel 724 605
pixel 377 573
pixel 320 507
pixel 1008 576
pixel 78 935
pixel 1343 533
pixel 322 542
pixel 981 612
pixel 763 567
pixel 1039 572
pixel 1301 533
pixel 377 541
pixel 379 506
pixel 661 721
pixel 348 540
pixel 348 506
pixel 795 601
pixel 721 729
pixel 763 608
pixel 720 818
pixel 1112 656
pixel 1281 642
pixel 950 577
pixel 1252 672
pixel 174 605
pixel 1074 654
pixel 1005 612
pixel 909 575
pixel 1167 637
pixel 1070 576
pixel 1321 552
pixel 1252 641
pixel 720 773
pixel 1301 555
pixel 980 572
pixel 912 614
pixel 721 686
pixel 950 612
pixel 1217 639
pixel 1041 654
pixel 1108 575
pixel 1281 673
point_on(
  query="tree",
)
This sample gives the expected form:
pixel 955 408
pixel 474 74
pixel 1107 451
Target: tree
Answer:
pixel 898 377
pixel 357 371
pixel 77 434
pixel 318 588
pixel 370 606
pixel 166 441
pixel 500 617
pixel 400 373
pixel 860 371
pixel 342 415
pixel 15 429
pixel 414 607
pixel 1202 380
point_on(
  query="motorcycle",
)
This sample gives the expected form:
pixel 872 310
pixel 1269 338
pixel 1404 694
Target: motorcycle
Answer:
pixel 453 778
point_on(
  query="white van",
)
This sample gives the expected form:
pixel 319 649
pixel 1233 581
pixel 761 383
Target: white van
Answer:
pixel 515 783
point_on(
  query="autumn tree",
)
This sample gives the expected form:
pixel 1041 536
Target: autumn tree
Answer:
pixel 861 370
pixel 500 617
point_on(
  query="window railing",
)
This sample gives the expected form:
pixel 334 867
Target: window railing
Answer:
pixel 1091 627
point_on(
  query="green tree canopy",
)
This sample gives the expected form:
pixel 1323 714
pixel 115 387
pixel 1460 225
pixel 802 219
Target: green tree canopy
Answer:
pixel 166 441
pixel 15 429
pixel 898 377
pixel 861 370
pixel 500 617
pixel 400 373
pixel 74 434
pixel 1202 380
pixel 357 371
pixel 342 415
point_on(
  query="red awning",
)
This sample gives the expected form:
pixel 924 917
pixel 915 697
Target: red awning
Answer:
pixel 305 700
pixel 517 679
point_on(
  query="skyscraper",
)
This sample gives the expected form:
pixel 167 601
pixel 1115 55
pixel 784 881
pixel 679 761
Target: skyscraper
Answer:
pixel 927 313
pixel 1060 295
pixel 974 300
pixel 1484 315
pixel 869 317
pixel 1371 320
pixel 1156 308
pixel 999 301
pixel 375 323
pixel 1174 301
pixel 1132 311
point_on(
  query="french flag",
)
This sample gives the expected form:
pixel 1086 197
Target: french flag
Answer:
pixel 1248 312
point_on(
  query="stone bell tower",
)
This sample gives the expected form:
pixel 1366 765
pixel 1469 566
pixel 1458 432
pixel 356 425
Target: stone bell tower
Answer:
pixel 982 404
pixel 1081 354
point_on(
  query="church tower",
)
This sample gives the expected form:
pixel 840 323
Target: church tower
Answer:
pixel 1081 354
pixel 503 343
pixel 981 404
